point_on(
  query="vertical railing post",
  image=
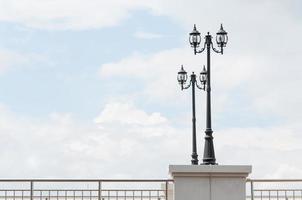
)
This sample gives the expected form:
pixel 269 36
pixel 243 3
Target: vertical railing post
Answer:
pixel 252 190
pixel 166 190
pixel 99 190
pixel 31 190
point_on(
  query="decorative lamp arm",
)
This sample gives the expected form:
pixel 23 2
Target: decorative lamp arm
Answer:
pixel 202 87
pixel 215 50
pixel 186 87
pixel 201 50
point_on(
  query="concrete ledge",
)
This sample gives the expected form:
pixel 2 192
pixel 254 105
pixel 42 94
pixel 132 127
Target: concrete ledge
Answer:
pixel 210 170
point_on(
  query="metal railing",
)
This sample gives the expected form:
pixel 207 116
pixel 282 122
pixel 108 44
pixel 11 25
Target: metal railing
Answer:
pixel 81 189
pixel 274 189
pixel 106 189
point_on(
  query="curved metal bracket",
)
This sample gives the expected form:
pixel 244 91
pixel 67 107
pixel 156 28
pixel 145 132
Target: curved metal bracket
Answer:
pixel 200 87
pixel 215 50
pixel 201 50
pixel 186 87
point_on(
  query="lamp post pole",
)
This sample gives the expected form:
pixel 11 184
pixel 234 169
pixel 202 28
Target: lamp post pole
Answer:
pixel 182 78
pixel 221 39
pixel 209 153
pixel 194 146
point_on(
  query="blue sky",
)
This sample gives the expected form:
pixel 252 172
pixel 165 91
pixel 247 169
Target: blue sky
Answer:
pixel 64 78
pixel 89 86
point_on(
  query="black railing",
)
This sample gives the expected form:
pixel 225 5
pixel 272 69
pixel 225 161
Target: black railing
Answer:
pixel 274 189
pixel 84 189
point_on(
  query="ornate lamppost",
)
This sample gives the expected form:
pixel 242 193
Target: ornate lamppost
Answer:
pixel 221 40
pixel 182 79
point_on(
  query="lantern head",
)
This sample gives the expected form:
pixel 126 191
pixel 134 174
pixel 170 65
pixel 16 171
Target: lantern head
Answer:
pixel 182 76
pixel 203 76
pixel 195 38
pixel 221 37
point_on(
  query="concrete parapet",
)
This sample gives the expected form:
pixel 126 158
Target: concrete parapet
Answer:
pixel 209 182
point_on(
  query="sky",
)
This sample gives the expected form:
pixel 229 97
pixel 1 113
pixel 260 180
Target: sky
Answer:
pixel 88 89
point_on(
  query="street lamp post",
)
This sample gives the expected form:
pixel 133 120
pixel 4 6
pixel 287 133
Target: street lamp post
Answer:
pixel 221 39
pixel 182 78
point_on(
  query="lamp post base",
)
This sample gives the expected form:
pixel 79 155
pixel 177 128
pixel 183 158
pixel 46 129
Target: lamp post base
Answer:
pixel 194 160
pixel 214 182
pixel 209 153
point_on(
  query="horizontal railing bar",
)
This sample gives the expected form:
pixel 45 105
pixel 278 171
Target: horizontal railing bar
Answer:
pixel 132 180
pixel 87 180
pixel 130 196
pixel 79 190
pixel 277 190
pixel 274 180
pixel 275 196
pixel 78 196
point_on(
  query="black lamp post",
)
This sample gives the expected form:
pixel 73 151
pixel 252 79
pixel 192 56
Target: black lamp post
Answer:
pixel 182 78
pixel 221 39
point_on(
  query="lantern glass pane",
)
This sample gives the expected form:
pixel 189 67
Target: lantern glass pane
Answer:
pixel 190 39
pixel 221 38
pixel 185 77
pixel 194 39
pixel 179 78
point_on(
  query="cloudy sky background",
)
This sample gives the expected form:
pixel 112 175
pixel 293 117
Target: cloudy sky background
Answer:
pixel 88 88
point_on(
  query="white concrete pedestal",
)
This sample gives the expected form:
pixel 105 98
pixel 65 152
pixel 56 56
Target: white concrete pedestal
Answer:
pixel 209 182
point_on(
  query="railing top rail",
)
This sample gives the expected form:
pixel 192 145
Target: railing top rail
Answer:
pixel 86 180
pixel 274 190
pixel 274 180
pixel 81 190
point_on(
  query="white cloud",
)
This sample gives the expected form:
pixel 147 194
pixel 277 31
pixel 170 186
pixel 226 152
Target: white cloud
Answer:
pixel 79 14
pixel 268 149
pixel 62 147
pixel 266 81
pixel 279 138
pixel 68 14
pixel 128 114
pixel 285 170
pixel 158 74
pixel 147 35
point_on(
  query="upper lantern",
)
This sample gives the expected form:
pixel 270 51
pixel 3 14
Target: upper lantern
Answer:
pixel 195 38
pixel 221 37
pixel 182 76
